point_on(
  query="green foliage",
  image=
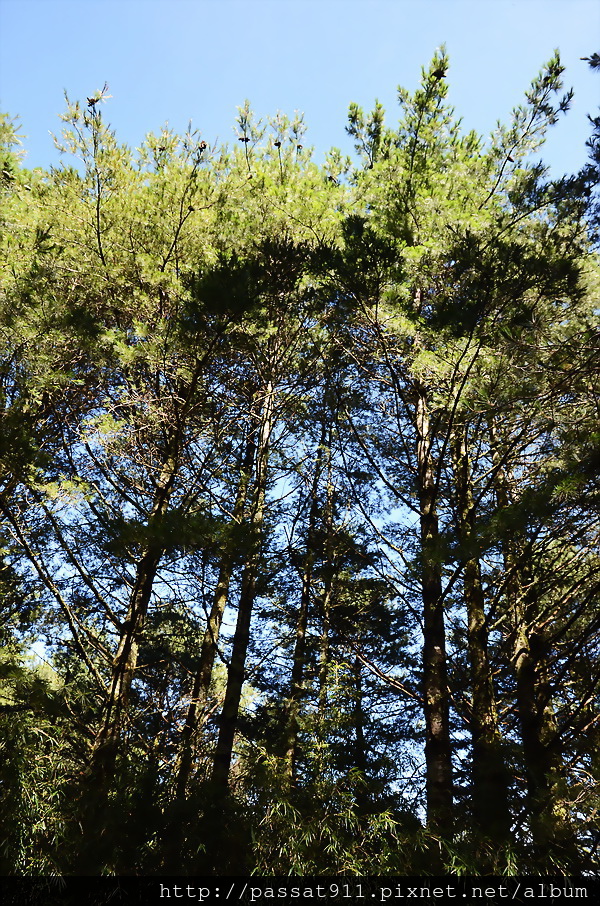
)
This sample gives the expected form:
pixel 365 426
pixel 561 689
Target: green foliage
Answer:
pixel 311 416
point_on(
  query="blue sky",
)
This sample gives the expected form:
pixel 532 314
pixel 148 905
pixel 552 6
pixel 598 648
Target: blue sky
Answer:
pixel 176 60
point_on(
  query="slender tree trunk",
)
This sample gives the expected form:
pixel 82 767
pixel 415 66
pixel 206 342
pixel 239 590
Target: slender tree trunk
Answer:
pixel 438 754
pixel 297 677
pixel 324 638
pixel 299 658
pixel 550 832
pixel 94 848
pixel 236 673
pixel 490 780
pixel 324 664
pixel 360 742
pixel 124 665
pixel 534 751
pixel 177 818
pixel 211 635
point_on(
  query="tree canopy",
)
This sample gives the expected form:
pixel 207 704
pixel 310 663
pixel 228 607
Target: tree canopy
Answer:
pixel 299 501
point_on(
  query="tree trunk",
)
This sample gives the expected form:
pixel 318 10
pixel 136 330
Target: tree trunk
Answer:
pixel 236 673
pixel 360 751
pixel 125 662
pixel 299 658
pixel 324 671
pixel 438 755
pixel 490 780
pixel 550 832
pixel 93 848
pixel 297 677
pixel 211 635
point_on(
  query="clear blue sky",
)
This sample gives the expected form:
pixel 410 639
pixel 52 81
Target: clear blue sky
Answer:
pixel 176 60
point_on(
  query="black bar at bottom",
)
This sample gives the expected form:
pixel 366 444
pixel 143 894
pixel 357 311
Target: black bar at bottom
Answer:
pixel 460 891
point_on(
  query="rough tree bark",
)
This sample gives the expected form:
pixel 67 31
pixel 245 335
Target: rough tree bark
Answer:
pixel 552 836
pixel 438 754
pixel 490 780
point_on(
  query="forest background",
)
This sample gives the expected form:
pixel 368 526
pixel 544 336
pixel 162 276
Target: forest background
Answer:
pixel 299 494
